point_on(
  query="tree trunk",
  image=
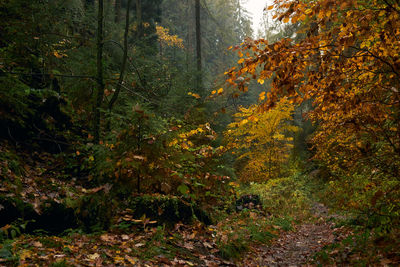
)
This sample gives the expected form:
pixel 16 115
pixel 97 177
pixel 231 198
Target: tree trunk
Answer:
pixel 100 81
pixel 117 10
pixel 89 4
pixel 188 35
pixel 139 19
pixel 199 82
pixel 124 59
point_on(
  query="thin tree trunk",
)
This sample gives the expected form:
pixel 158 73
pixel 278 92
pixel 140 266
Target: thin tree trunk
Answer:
pixel 188 35
pixel 199 82
pixel 89 4
pixel 100 80
pixel 139 18
pixel 124 59
pixel 118 11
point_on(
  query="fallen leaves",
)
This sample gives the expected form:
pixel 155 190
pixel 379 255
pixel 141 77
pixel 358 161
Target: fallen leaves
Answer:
pixel 93 256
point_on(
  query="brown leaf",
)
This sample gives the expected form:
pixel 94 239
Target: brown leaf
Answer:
pixel 37 244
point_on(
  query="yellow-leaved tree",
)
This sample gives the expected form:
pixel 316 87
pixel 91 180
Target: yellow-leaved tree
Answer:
pixel 262 140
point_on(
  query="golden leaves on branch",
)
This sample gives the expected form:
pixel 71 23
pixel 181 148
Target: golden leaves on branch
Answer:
pixel 349 67
pixel 166 38
pixel 261 138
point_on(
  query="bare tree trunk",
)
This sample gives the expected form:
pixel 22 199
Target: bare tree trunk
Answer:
pixel 89 4
pixel 100 80
pixel 139 18
pixel 199 82
pixel 117 9
pixel 188 35
pixel 124 59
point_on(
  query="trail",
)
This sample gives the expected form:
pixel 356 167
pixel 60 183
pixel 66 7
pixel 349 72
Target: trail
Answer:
pixel 296 248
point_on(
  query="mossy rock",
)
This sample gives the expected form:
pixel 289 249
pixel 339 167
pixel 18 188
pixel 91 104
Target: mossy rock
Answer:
pixel 12 209
pixel 167 210
pixel 54 219
pixel 95 212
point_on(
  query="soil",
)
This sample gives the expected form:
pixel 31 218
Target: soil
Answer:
pixel 296 248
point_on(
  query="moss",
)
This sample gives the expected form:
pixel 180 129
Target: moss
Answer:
pixel 95 212
pixel 13 209
pixel 167 210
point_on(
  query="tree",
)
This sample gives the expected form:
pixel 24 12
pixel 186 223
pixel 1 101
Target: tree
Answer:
pixel 198 46
pixel 124 59
pixel 354 87
pixel 117 9
pixel 262 139
pixel 100 79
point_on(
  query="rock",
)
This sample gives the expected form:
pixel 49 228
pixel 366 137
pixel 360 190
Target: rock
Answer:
pixel 167 210
pixel 55 219
pixel 8 212
pixel 12 209
pixel 95 212
pixel 248 202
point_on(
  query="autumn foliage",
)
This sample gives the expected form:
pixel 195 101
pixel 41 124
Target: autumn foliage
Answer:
pixel 346 61
pixel 262 140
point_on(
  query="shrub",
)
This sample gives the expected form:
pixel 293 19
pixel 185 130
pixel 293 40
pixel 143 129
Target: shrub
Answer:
pixel 282 196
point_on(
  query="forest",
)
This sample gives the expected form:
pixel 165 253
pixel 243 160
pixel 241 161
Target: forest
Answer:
pixel 175 133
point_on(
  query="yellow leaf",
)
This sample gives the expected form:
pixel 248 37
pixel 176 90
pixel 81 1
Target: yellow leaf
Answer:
pixel 213 92
pixel 328 13
pixel 130 259
pixel 286 20
pixel 25 255
pixel 220 91
pixel 270 7
pixel 308 11
pixel 261 96
pixel 240 61
pixel 118 259
pixel 260 81
pixel 243 122
pixel 196 96
pixel 57 55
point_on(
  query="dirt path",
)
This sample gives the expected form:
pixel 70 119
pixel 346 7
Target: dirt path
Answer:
pixel 296 248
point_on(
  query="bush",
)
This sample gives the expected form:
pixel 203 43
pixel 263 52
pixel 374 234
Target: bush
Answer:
pixel 374 199
pixel 282 196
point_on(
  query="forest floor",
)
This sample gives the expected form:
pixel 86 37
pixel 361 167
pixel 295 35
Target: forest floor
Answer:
pixel 297 247
pixel 248 238
pixel 182 246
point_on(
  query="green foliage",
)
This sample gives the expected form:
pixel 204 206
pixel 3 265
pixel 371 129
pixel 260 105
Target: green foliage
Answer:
pixel 282 196
pixel 13 230
pixel 373 200
pixel 235 234
pixel 60 263
pixel 6 253
pixel 10 162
